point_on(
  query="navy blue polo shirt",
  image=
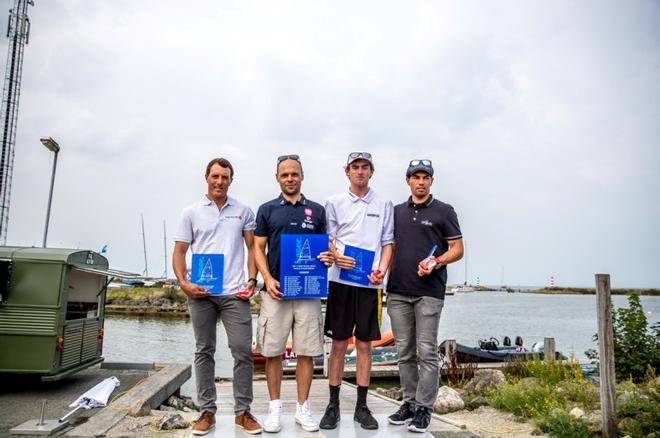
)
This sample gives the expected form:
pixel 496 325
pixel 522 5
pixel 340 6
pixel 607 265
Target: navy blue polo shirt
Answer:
pixel 417 227
pixel 280 216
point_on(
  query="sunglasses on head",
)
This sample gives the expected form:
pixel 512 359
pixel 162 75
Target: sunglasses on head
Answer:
pixel 288 157
pixel 356 155
pixel 418 162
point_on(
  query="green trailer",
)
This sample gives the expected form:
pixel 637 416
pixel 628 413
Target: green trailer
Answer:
pixel 51 310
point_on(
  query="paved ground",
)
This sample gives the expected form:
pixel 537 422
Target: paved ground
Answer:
pixel 20 397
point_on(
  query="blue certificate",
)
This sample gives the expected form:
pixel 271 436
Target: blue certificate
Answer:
pixel 302 275
pixel 207 271
pixel 364 259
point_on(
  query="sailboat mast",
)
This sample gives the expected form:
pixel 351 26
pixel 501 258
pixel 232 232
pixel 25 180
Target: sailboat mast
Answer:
pixel 466 261
pixel 165 249
pixel 144 247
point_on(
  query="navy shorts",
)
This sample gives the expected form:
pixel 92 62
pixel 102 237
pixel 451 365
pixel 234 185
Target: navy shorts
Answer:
pixel 352 308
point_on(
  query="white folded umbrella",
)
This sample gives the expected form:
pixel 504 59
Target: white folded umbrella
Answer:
pixel 96 397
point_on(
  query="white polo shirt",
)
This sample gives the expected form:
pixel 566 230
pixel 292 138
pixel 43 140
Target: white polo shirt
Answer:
pixel 210 230
pixel 366 223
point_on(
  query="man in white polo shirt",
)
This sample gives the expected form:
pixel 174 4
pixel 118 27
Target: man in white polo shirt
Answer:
pixel 219 224
pixel 362 219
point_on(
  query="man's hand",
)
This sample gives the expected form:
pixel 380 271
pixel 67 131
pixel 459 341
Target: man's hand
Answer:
pixel 376 277
pixel 344 262
pixel 194 291
pixel 422 270
pixel 326 258
pixel 248 292
pixel 273 289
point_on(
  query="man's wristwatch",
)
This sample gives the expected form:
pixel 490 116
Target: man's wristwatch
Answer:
pixel 253 279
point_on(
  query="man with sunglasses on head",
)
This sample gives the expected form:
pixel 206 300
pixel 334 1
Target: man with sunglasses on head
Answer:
pixel 361 218
pixel 219 224
pixel 427 238
pixel 289 213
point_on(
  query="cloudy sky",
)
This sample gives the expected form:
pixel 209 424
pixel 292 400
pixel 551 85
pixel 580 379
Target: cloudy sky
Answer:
pixel 543 121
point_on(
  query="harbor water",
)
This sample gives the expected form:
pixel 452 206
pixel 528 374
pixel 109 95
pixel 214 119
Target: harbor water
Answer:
pixel 466 317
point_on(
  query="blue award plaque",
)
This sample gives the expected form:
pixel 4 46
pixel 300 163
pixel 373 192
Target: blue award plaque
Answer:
pixel 207 271
pixel 364 259
pixel 302 275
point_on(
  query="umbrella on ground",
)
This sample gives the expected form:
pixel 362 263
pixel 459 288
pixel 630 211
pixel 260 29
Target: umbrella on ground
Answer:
pixel 96 397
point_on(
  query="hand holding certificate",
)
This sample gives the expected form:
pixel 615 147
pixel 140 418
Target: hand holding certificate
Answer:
pixel 364 260
pixel 208 271
pixel 302 274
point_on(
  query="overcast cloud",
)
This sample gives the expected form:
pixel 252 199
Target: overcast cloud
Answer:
pixel 542 121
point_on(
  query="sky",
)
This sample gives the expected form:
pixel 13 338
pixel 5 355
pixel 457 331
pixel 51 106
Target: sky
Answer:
pixel 542 121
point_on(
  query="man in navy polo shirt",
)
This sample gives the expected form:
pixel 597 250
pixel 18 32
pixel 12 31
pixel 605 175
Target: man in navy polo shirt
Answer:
pixel 289 213
pixel 427 237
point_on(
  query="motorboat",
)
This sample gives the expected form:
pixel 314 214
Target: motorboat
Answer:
pixel 490 351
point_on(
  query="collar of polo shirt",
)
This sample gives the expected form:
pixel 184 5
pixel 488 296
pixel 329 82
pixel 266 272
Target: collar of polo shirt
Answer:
pixel 426 204
pixel 283 201
pixel 207 201
pixel 367 198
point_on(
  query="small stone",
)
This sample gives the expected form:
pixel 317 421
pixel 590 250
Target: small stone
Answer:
pixel 171 422
pixel 447 401
pixel 577 413
pixel 166 408
pixel 139 408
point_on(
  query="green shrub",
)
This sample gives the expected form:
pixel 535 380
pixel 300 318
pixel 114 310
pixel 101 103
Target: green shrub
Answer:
pixel 577 393
pixel 524 400
pixel 558 423
pixel 639 415
pixel 549 373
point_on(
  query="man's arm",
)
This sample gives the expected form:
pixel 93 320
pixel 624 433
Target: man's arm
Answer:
pixel 377 276
pixel 342 261
pixel 248 237
pixel 272 285
pixel 181 272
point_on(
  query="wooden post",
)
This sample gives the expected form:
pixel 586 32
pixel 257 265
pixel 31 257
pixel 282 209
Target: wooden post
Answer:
pixel 549 349
pixel 450 351
pixel 606 356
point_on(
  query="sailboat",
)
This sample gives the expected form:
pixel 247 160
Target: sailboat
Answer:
pixel 464 287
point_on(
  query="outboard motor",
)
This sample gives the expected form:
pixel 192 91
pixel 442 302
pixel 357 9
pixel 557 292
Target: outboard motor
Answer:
pixel 519 341
pixel 506 341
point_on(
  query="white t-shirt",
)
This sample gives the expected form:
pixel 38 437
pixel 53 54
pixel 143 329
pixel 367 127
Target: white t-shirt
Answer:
pixel 366 223
pixel 210 230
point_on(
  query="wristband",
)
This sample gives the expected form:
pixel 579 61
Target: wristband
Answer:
pixel 252 279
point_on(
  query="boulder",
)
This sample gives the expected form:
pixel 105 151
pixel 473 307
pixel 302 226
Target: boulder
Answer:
pixel 475 402
pixel 393 393
pixel 447 401
pixel 139 408
pixel 593 421
pixel 483 380
pixel 577 413
pixel 171 422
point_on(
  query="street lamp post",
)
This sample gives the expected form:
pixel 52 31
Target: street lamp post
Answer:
pixel 52 146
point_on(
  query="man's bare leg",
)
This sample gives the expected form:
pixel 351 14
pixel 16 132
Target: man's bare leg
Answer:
pixel 274 376
pixel 363 368
pixel 336 362
pixel 304 374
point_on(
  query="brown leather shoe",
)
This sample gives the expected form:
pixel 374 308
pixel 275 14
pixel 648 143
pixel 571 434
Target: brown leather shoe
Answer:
pixel 204 423
pixel 248 423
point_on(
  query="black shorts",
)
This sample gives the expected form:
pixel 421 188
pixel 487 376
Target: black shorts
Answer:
pixel 352 307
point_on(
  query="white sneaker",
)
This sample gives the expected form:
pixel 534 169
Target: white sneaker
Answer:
pixel 304 417
pixel 272 423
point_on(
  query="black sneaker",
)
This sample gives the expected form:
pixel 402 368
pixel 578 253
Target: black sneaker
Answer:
pixel 331 417
pixel 421 421
pixel 363 416
pixel 406 412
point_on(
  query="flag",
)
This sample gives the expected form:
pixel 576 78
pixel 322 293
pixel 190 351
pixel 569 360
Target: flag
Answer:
pixel 104 249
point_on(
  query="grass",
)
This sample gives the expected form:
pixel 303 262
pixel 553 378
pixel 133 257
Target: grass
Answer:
pixel 126 295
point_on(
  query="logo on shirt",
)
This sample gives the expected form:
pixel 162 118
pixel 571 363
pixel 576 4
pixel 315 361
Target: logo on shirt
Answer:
pixel 426 222
pixel 373 215
pixel 234 217
pixel 308 211
pixel 307 226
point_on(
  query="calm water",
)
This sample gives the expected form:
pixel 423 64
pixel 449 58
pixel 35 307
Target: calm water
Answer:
pixel 467 317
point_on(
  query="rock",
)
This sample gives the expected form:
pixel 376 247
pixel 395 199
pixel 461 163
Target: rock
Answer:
pixel 475 402
pixel 171 422
pixel 139 408
pixel 483 380
pixel 624 397
pixel 577 413
pixel 393 393
pixel 166 408
pixel 593 421
pixel 447 401
pixel 175 402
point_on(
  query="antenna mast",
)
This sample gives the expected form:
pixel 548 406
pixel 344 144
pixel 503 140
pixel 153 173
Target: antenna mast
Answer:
pixel 144 247
pixel 18 32
pixel 165 249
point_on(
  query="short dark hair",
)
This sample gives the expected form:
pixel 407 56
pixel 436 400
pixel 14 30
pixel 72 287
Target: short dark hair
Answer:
pixel 223 162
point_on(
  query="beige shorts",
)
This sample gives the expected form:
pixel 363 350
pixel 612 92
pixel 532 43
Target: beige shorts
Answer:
pixel 278 318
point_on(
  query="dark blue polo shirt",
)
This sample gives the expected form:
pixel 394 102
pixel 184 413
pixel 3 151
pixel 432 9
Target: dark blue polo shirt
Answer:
pixel 280 216
pixel 417 227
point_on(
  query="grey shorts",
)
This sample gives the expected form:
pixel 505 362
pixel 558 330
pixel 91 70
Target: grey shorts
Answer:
pixel 279 318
